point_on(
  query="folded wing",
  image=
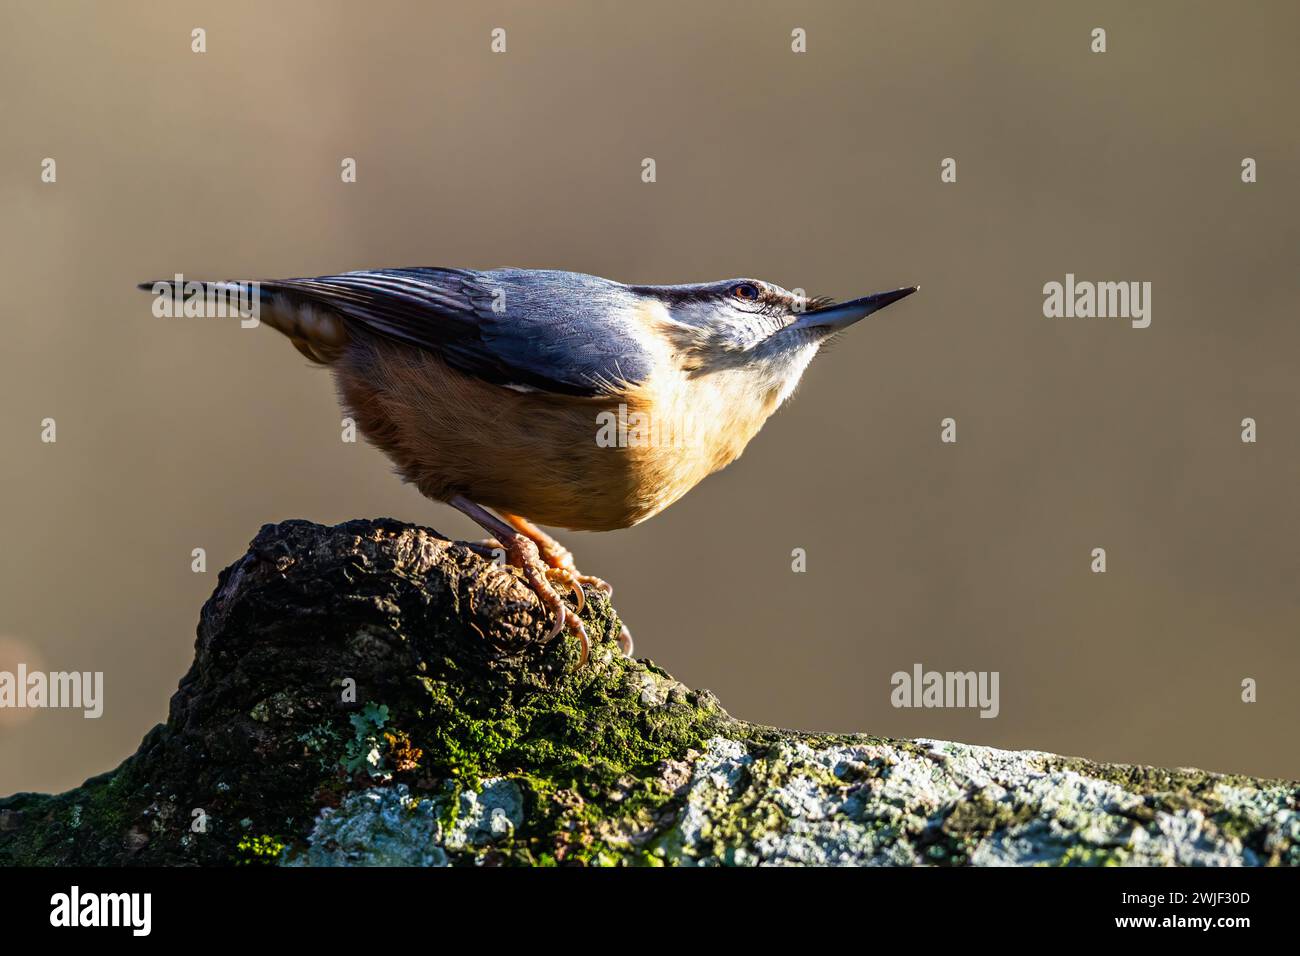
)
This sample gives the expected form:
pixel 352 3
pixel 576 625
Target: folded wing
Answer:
pixel 558 332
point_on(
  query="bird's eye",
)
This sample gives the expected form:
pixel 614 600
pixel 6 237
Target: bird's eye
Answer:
pixel 746 291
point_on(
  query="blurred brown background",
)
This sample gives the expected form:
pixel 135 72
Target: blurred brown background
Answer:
pixel 818 170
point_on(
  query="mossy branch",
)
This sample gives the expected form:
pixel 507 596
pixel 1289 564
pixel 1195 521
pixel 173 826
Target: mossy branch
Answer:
pixel 373 693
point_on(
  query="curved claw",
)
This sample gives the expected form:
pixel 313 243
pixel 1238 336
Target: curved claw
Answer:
pixel 579 596
pixel 586 642
pixel 625 641
pixel 564 620
pixel 572 582
pixel 556 628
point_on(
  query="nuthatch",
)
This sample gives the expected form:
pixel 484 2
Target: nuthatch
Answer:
pixel 490 389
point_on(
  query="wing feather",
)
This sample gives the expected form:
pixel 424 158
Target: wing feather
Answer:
pixel 559 332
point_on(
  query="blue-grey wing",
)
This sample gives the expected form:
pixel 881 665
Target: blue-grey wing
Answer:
pixel 559 332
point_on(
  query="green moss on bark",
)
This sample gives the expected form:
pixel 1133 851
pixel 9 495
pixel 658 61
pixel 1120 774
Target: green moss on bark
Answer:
pixel 372 693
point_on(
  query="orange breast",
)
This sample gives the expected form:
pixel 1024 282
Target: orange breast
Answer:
pixel 591 464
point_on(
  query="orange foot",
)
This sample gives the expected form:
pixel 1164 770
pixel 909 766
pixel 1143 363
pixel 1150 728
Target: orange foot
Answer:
pixel 559 559
pixel 522 552
pixel 557 556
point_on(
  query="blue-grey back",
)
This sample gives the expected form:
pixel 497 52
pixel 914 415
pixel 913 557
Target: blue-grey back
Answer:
pixel 562 332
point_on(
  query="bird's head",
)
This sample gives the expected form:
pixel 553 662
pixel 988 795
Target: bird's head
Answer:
pixel 756 327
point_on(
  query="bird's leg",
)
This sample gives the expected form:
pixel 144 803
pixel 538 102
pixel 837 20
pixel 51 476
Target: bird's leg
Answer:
pixel 560 560
pixel 557 557
pixel 522 553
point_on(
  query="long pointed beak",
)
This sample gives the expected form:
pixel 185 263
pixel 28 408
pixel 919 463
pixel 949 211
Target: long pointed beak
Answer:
pixel 843 314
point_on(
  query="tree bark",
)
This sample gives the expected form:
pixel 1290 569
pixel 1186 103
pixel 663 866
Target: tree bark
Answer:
pixel 373 693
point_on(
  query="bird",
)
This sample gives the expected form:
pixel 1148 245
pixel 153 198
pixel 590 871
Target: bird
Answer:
pixel 526 397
